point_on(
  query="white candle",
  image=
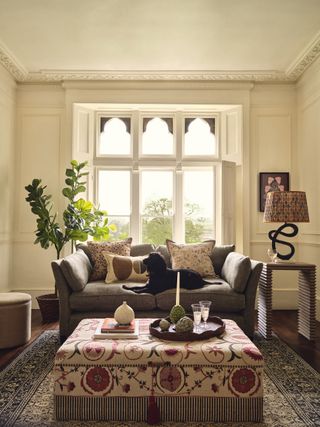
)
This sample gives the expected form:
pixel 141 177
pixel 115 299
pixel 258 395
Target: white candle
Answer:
pixel 178 289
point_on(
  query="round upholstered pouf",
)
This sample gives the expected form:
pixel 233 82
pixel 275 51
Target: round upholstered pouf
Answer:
pixel 15 319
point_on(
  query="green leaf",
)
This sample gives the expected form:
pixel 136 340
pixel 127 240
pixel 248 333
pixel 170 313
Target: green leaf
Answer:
pixel 113 228
pixel 67 193
pixel 83 165
pixel 80 189
pixel 70 172
pixel 74 163
pixel 78 235
pixel 36 182
pixel 83 205
pixel 69 181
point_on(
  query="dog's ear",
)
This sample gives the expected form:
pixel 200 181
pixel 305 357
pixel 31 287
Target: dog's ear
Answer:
pixel 157 263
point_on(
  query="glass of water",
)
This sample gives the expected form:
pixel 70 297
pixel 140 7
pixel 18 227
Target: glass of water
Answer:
pixel 272 254
pixel 196 308
pixel 205 310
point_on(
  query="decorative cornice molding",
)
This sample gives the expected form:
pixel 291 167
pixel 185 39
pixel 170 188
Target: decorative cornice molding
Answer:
pixel 56 75
pixel 305 59
pixel 296 69
pixel 11 63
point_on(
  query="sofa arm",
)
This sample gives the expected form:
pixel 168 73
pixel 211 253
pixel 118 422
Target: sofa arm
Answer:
pixel 64 292
pixel 250 296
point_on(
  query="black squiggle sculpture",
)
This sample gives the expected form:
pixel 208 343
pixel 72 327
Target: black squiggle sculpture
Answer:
pixel 273 236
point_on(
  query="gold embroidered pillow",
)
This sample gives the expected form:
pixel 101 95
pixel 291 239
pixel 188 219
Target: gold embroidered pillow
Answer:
pixel 99 270
pixel 125 268
pixel 195 256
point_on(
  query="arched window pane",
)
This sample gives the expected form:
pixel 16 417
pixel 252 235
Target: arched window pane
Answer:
pixel 157 136
pixel 199 138
pixel 115 136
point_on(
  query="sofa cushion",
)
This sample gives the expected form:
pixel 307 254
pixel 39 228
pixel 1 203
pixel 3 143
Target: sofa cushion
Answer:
pixel 99 270
pixel 219 255
pixel 96 296
pixel 223 298
pixel 76 268
pixel 195 256
pixel 141 249
pixel 122 268
pixel 236 271
pixel 84 247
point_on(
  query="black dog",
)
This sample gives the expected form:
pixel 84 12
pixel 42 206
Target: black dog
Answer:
pixel 162 278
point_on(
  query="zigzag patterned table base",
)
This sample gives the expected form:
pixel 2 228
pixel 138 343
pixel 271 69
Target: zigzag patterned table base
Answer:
pixel 306 302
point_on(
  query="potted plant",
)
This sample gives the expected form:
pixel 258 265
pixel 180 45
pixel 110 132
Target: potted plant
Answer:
pixel 81 219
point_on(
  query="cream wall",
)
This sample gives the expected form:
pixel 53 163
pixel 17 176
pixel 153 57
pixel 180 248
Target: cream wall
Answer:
pixel 40 121
pixel 7 168
pixel 44 135
pixel 307 163
pixel 272 135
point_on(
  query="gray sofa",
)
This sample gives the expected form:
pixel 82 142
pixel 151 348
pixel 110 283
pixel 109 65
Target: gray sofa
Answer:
pixel 232 294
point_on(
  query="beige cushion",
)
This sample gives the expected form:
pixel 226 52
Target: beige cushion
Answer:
pixel 236 271
pixel 99 270
pixel 195 256
pixel 76 269
pixel 121 268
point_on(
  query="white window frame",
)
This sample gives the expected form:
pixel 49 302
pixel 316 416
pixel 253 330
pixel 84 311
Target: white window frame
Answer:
pixel 177 162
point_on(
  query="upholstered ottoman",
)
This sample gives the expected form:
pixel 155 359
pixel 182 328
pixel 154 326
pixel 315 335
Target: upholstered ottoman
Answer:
pixel 15 319
pixel 215 381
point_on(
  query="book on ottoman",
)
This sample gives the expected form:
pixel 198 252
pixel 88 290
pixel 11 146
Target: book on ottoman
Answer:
pixel 110 325
pixel 110 329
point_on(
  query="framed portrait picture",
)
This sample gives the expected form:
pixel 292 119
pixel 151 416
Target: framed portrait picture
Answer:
pixel 272 181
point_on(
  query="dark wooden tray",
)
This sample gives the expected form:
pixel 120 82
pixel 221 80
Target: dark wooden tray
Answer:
pixel 215 327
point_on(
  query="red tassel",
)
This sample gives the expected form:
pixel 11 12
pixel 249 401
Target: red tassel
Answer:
pixel 153 411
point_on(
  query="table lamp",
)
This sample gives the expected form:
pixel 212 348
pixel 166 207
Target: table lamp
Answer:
pixel 288 207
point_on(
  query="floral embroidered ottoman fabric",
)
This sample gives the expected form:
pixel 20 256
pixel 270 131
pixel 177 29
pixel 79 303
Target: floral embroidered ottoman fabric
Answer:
pixel 217 380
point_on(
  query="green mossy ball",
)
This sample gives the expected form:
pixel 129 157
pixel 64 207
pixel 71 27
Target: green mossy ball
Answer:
pixel 176 313
pixel 164 324
pixel 185 324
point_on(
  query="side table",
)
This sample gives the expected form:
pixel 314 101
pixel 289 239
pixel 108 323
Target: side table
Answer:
pixel 306 300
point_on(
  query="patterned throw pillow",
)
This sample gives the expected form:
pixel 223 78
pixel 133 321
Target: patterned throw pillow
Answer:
pixel 99 270
pixel 195 256
pixel 125 268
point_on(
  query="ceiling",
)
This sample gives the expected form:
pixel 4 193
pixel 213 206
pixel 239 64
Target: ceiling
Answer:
pixel 264 40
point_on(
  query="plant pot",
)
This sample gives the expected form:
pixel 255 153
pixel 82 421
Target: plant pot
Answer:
pixel 49 307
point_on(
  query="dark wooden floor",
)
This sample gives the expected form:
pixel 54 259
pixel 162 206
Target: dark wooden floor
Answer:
pixel 284 325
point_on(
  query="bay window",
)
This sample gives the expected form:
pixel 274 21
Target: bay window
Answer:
pixel 158 172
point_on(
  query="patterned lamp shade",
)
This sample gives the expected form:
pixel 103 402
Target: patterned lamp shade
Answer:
pixel 286 206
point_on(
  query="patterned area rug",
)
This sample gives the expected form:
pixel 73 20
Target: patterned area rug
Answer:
pixel 292 389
